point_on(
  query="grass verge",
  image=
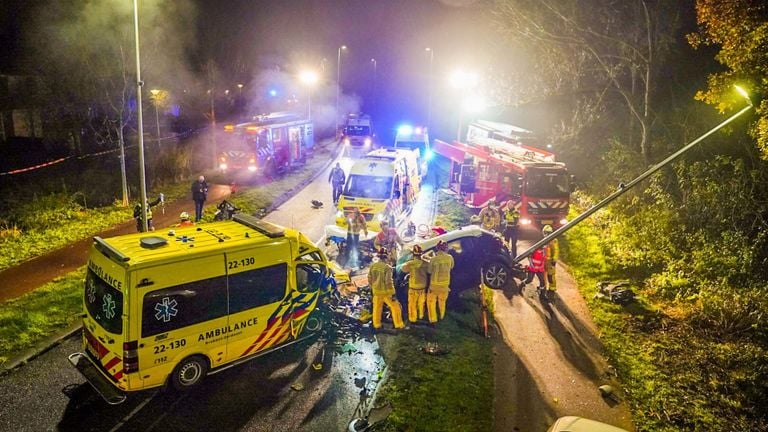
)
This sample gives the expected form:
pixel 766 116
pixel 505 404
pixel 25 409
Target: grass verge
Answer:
pixel 677 376
pixel 450 392
pixel 28 320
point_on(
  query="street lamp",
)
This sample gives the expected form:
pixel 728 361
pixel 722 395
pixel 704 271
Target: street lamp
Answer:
pixel 309 78
pixel 465 81
pixel 338 85
pixel 139 84
pixel 373 62
pixel 429 103
pixel 155 95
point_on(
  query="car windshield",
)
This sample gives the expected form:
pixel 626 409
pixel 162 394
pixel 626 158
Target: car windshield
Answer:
pixel 358 130
pixel 364 186
pixel 104 303
pixel 546 183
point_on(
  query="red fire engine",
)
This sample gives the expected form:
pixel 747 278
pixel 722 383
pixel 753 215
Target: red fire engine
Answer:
pixel 487 168
pixel 267 145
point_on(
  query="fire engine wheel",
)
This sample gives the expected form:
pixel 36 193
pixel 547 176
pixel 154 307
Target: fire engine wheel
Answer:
pixel 189 373
pixel 496 275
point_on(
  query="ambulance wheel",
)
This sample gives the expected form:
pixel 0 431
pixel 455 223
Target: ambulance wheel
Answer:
pixel 189 373
pixel 314 323
pixel 496 275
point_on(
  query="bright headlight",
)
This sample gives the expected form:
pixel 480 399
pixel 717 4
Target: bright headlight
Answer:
pixel 563 221
pixel 346 141
pixel 367 141
pixel 252 168
pixel 223 166
pixel 525 221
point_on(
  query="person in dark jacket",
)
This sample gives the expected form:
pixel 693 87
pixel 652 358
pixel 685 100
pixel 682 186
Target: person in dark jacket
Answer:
pixel 137 214
pixel 337 180
pixel 199 195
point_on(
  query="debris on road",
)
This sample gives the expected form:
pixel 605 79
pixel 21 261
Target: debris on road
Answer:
pixel 297 386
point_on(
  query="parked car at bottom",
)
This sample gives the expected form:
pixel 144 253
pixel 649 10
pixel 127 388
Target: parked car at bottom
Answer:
pixel 475 251
pixel 580 424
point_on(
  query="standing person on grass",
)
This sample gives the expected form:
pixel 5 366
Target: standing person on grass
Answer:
pixel 417 284
pixel 199 195
pixel 439 282
pixel 383 289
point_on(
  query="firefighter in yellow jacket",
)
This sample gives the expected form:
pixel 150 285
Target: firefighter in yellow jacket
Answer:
pixel 440 279
pixel 552 252
pixel 417 284
pixel 383 288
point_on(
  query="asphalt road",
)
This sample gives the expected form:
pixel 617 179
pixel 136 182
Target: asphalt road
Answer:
pixel 550 363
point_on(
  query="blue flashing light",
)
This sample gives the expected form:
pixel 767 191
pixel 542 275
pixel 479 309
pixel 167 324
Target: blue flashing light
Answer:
pixel 405 130
pixel 273 92
pixel 429 154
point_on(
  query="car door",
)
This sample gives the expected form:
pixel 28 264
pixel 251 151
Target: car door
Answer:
pixel 466 263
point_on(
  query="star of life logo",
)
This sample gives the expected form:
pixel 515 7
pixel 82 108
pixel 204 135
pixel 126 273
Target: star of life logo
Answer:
pixel 166 309
pixel 91 291
pixel 109 306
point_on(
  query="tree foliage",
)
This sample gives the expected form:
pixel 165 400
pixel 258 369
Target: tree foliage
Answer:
pixel 740 29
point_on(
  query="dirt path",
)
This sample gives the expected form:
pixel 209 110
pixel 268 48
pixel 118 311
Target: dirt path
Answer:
pixel 32 274
pixel 550 362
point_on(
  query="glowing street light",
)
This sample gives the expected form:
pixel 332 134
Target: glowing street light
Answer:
pixel 430 85
pixel 338 84
pixel 156 101
pixel 309 78
pixel 464 81
pixel 374 63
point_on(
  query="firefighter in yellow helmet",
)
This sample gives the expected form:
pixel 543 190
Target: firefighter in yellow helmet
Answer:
pixel 552 254
pixel 417 284
pixel 440 279
pixel 383 287
pixel 490 216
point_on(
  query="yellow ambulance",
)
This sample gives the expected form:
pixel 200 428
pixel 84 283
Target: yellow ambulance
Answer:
pixel 170 308
pixel 383 185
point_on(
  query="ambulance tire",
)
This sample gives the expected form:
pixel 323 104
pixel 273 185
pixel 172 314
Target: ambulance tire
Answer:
pixel 314 323
pixel 496 275
pixel 189 373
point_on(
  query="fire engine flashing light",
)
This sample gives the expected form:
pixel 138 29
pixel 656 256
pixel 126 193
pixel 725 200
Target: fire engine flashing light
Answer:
pixel 405 130
pixel 429 154
pixel 229 128
pixel 273 92
pixel 252 129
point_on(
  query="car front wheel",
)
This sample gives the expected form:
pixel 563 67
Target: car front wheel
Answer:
pixel 496 275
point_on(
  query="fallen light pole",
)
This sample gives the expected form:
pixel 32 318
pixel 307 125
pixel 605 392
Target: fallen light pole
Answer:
pixel 625 187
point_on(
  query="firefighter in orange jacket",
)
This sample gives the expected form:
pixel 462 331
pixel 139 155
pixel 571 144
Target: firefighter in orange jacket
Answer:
pixel 439 281
pixel 550 262
pixel 383 288
pixel 417 284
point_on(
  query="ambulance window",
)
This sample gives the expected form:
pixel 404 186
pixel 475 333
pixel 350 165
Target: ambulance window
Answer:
pixel 258 287
pixel 312 256
pixel 183 305
pixel 310 277
pixel 104 303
